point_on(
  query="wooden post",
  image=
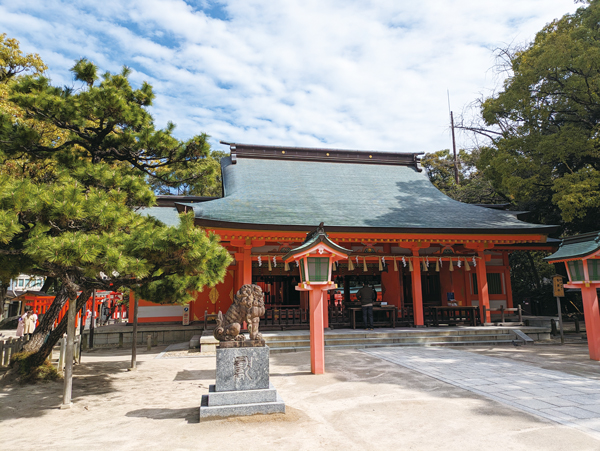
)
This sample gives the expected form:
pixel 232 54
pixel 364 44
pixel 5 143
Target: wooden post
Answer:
pixel 7 350
pixel 502 313
pixel 149 341
pixel 417 293
pixel 133 297
pixel 2 353
pixel 91 346
pixel 317 333
pixel 483 293
pixel 520 313
pixel 560 321
pixel 247 264
pixel 61 356
pixel 120 339
pixel 81 327
pixel 592 320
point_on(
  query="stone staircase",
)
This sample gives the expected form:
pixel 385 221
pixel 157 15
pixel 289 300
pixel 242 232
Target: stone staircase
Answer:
pixel 299 340
pixel 340 339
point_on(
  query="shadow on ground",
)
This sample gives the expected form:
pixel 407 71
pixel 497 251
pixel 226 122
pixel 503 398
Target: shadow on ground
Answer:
pixel 89 380
pixel 190 415
pixel 195 375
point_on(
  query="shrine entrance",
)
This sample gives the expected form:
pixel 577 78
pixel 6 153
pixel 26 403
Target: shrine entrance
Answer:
pixel 279 291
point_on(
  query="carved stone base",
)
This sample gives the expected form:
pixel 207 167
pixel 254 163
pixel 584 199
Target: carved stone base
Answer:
pixel 242 386
pixel 242 368
pixel 240 403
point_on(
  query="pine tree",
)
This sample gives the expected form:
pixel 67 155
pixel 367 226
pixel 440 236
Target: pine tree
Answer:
pixel 70 208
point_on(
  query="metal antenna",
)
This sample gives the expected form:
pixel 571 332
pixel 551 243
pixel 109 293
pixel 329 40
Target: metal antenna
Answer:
pixel 453 140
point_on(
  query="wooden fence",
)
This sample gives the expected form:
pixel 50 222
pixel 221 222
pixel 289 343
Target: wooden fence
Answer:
pixel 9 347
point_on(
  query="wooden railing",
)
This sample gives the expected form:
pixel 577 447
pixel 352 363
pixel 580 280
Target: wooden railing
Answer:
pixel 454 315
pixel 502 311
pixel 284 318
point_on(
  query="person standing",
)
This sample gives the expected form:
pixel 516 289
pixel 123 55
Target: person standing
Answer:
pixel 21 325
pixel 34 318
pixel 29 323
pixel 366 295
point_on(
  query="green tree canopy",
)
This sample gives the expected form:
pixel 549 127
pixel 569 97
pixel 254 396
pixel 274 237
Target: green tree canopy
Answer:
pixel 545 150
pixel 69 208
pixel 473 186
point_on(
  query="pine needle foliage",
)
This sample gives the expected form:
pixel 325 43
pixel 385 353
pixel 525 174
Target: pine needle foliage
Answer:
pixel 81 162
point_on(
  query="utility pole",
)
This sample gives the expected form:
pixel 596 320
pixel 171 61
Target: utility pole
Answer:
pixel 453 141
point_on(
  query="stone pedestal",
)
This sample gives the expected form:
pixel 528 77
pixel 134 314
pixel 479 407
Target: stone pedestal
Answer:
pixel 242 385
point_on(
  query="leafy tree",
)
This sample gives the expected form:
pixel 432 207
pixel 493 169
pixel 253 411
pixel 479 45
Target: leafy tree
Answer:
pixel 545 122
pixel 78 220
pixel 473 187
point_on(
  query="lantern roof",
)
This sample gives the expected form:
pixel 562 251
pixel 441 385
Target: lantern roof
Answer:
pixel 576 247
pixel 312 240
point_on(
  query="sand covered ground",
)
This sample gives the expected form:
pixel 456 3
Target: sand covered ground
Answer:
pixel 362 403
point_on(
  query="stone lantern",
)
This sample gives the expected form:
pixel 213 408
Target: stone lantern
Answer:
pixel 581 256
pixel 315 258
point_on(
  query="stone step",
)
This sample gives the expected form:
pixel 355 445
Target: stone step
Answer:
pixel 283 343
pixel 358 332
pixel 365 334
pixel 363 346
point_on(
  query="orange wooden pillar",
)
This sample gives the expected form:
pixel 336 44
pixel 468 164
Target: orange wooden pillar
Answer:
pixel 393 289
pixel 507 280
pixel 484 297
pixel 239 270
pixel 317 334
pixel 247 265
pixel 417 291
pixel 592 319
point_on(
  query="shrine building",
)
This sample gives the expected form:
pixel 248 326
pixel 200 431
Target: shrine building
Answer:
pixel 416 246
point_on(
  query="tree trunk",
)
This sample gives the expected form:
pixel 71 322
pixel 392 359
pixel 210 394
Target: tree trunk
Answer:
pixel 48 283
pixel 536 278
pixel 46 348
pixel 3 290
pixel 38 336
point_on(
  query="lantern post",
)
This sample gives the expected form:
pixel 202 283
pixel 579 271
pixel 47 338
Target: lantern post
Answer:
pixel 315 258
pixel 581 256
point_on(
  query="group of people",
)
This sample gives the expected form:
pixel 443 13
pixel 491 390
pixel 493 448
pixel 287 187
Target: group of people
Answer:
pixel 27 323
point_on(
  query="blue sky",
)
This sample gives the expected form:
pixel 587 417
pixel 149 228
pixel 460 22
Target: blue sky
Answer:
pixel 353 74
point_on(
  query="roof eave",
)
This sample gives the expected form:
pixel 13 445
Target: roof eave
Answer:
pixel 211 223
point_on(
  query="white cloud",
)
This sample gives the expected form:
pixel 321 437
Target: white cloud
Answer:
pixel 336 73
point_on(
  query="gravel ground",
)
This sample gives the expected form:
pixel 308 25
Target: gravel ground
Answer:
pixel 362 402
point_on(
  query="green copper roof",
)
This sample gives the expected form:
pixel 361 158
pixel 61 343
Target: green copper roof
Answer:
pixel 576 246
pixel 274 193
pixel 167 215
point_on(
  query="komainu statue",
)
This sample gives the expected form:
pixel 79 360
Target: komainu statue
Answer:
pixel 248 305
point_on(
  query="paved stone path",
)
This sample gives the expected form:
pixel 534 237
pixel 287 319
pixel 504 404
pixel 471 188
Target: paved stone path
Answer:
pixel 567 399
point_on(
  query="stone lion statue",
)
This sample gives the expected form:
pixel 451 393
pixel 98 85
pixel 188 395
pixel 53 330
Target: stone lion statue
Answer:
pixel 248 305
